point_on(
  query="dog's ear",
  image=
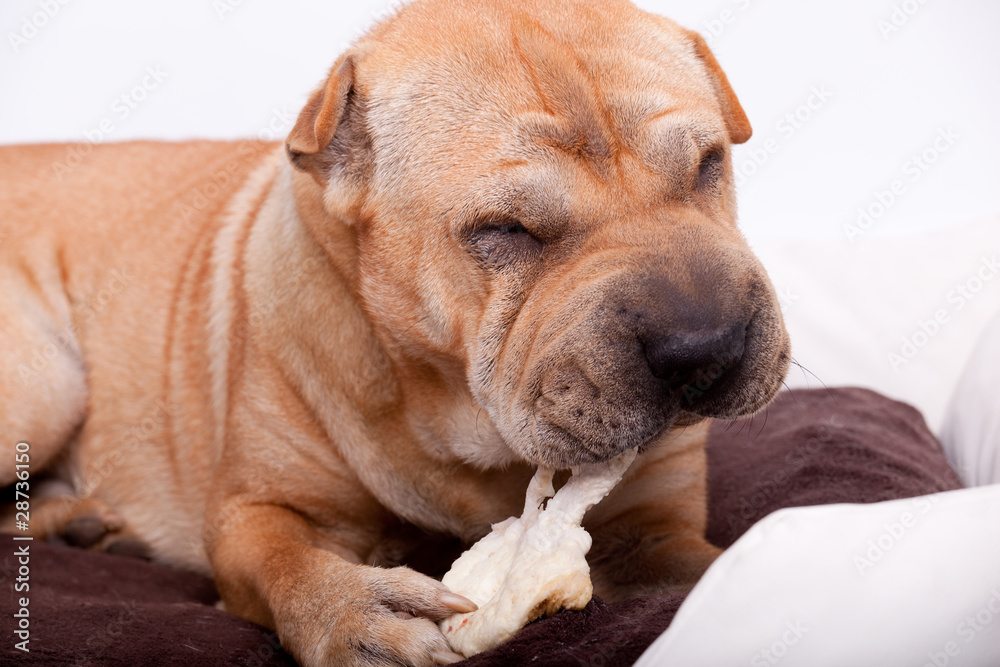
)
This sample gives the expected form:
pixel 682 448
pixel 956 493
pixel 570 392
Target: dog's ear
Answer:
pixel 737 123
pixel 330 139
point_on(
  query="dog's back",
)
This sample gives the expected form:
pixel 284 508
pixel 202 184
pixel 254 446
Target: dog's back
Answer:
pixel 93 237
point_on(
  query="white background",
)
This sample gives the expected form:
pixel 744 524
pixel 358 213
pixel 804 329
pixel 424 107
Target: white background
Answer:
pixel 895 73
pixel 231 63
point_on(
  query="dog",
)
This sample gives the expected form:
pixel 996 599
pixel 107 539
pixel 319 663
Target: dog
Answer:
pixel 499 235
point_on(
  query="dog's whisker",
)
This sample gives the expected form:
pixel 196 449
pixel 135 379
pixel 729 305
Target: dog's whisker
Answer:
pixel 767 410
pixel 730 423
pixel 806 370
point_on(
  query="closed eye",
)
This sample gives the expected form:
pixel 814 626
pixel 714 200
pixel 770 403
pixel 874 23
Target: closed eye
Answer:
pixel 710 169
pixel 499 243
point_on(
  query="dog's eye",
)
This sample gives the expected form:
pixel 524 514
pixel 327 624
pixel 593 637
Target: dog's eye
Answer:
pixel 499 243
pixel 710 168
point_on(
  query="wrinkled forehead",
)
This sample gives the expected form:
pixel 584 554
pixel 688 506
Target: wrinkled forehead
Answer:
pixel 591 77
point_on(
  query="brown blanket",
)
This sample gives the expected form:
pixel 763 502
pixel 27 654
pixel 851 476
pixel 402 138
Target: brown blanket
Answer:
pixel 816 447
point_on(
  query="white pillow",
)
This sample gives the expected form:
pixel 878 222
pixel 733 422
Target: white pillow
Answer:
pixel 903 583
pixel 971 432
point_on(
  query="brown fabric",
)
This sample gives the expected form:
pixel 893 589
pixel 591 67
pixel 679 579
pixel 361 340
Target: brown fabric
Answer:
pixel 816 447
pixel 91 609
pixel 819 447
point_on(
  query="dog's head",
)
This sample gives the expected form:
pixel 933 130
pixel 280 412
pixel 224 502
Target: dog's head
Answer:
pixel 542 195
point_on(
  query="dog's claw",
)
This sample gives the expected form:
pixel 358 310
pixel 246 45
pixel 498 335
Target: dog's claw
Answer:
pixel 446 657
pixel 459 603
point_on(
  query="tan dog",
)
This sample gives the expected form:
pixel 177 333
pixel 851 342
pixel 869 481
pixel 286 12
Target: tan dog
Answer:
pixel 505 236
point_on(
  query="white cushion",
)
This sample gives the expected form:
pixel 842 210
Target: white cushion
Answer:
pixel 905 583
pixel 971 432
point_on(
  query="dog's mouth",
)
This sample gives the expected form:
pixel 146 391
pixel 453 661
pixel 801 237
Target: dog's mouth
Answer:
pixel 594 401
pixel 567 450
pixel 562 443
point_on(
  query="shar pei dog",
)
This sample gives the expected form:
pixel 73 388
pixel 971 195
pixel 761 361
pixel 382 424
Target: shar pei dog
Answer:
pixel 501 234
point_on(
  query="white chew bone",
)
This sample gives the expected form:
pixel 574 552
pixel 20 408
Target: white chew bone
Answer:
pixel 532 566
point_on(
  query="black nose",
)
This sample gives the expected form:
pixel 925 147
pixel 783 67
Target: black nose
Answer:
pixel 695 361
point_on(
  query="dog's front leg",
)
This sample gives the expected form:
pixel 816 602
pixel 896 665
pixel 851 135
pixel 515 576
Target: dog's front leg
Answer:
pixel 274 567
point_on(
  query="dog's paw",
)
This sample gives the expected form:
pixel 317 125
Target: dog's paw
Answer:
pixel 376 616
pixel 88 523
pixel 73 521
